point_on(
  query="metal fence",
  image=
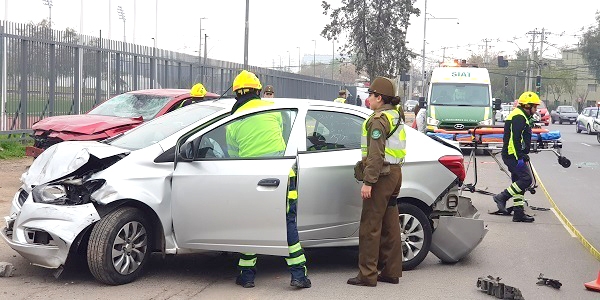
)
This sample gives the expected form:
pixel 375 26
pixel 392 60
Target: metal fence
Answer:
pixel 48 72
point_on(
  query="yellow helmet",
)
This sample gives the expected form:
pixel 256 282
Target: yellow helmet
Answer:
pixel 529 98
pixel 198 90
pixel 246 80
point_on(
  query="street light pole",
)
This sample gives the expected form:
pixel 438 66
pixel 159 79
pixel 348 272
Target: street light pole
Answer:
pixel 332 58
pixel 245 35
pixel 299 63
pixel 289 61
pixel 423 54
pixel 122 17
pixel 49 4
pixel 314 59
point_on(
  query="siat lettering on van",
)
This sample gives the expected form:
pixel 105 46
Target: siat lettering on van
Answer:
pixel 461 74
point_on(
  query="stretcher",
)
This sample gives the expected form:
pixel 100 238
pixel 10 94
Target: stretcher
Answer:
pixel 489 139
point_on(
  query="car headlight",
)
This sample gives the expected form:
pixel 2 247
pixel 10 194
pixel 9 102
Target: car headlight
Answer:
pixel 433 122
pixel 486 122
pixel 68 192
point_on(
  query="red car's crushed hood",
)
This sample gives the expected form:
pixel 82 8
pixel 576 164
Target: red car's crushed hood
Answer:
pixel 84 124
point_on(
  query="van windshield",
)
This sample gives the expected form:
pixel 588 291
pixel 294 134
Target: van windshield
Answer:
pixel 459 94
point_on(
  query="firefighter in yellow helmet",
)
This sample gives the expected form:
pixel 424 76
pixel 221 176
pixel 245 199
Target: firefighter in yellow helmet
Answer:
pixel 261 135
pixel 197 94
pixel 383 147
pixel 515 150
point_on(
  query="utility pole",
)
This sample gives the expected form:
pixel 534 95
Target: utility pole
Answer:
pixel 299 63
pixel 49 4
pixel 205 48
pixel 531 58
pixel 423 54
pixel 444 54
pixel 122 17
pixel 485 55
pixel 332 58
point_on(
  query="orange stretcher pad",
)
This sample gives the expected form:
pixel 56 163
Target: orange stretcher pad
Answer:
pixel 490 135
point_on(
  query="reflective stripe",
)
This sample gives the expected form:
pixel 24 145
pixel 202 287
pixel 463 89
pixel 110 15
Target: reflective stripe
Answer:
pixel 247 262
pixel 296 260
pixel 395 145
pixel 295 248
pixel 293 195
pixel 516 187
pixel 432 109
pixel 292 173
pixel 486 114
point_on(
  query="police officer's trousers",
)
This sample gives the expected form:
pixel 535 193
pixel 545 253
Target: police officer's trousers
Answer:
pixel 521 181
pixel 379 233
pixel 296 261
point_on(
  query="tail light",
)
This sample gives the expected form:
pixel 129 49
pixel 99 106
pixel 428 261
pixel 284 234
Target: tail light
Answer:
pixel 455 164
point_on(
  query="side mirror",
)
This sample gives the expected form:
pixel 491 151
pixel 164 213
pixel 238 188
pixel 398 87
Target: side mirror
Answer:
pixel 497 104
pixel 186 152
pixel 422 102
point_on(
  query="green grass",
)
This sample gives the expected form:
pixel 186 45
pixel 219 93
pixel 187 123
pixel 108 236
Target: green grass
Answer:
pixel 12 148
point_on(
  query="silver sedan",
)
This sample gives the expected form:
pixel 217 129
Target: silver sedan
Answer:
pixel 170 186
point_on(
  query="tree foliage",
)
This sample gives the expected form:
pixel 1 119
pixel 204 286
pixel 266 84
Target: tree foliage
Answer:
pixel 590 47
pixel 376 31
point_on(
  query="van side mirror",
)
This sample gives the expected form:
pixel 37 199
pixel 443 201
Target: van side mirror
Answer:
pixel 422 102
pixel 497 104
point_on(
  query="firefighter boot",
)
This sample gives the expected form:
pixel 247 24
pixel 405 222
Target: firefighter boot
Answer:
pixel 521 216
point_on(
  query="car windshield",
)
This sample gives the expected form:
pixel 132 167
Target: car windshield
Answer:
pixel 460 94
pixel 593 112
pixel 130 105
pixel 162 127
pixel 568 109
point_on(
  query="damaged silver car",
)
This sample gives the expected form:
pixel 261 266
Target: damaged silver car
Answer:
pixel 170 186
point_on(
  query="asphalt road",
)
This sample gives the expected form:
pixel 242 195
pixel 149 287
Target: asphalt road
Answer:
pixel 575 190
pixel 516 252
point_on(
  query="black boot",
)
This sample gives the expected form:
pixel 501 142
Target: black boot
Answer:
pixel 521 216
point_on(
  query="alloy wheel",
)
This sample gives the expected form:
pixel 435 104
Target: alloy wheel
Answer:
pixel 129 247
pixel 412 236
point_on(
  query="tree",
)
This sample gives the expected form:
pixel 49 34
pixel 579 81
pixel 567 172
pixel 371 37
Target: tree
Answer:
pixel 376 32
pixel 590 47
pixel 559 82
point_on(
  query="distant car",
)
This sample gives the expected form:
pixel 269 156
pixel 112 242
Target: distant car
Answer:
pixel 585 120
pixel 503 112
pixel 564 113
pixel 111 117
pixel 410 105
pixel 171 186
pixel 542 111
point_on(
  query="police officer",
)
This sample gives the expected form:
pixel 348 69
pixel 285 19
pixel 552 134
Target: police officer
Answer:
pixel 269 92
pixel 197 93
pixel 268 127
pixel 515 149
pixel 383 150
pixel 342 94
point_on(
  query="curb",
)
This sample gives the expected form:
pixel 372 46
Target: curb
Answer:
pixel 587 245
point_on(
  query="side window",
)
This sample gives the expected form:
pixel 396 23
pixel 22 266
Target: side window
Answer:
pixel 327 130
pixel 263 134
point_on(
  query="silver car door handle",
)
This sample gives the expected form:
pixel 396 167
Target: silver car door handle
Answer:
pixel 274 182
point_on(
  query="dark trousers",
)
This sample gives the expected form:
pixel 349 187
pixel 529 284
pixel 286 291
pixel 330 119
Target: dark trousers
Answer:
pixel 379 233
pixel 521 180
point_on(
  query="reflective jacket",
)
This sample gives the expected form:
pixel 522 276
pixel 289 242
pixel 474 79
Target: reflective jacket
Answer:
pixel 377 149
pixel 339 100
pixel 256 135
pixel 517 134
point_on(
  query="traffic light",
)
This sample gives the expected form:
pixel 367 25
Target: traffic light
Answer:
pixel 538 81
pixel 505 81
pixel 537 90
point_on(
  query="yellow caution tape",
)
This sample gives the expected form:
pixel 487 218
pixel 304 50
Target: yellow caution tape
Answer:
pixel 586 244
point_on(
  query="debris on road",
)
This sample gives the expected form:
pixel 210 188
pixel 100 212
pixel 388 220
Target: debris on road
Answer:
pixel 493 287
pixel 6 269
pixel 547 281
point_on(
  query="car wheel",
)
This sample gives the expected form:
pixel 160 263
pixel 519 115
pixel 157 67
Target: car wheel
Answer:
pixel 560 121
pixel 416 233
pixel 553 121
pixel 577 129
pixel 589 130
pixel 118 246
pixel 598 137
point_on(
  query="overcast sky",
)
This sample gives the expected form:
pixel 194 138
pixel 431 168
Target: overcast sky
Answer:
pixel 279 27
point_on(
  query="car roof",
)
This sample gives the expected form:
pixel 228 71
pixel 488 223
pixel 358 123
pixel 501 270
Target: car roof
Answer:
pixel 285 102
pixel 168 92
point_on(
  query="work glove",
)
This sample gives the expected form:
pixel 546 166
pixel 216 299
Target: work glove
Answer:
pixel 520 164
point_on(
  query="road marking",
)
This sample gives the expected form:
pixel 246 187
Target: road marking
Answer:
pixel 586 144
pixel 595 253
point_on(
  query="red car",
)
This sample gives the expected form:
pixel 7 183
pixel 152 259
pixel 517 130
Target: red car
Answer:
pixel 542 111
pixel 113 116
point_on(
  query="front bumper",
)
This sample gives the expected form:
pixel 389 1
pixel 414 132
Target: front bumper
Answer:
pixel 455 237
pixel 43 233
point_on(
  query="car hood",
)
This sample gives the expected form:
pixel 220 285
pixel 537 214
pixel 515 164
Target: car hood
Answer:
pixel 459 113
pixel 84 124
pixel 64 159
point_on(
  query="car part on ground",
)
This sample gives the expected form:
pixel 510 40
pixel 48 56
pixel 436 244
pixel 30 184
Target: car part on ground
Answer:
pixel 493 287
pixel 548 281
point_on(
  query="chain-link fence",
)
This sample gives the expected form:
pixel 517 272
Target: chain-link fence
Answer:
pixel 48 72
